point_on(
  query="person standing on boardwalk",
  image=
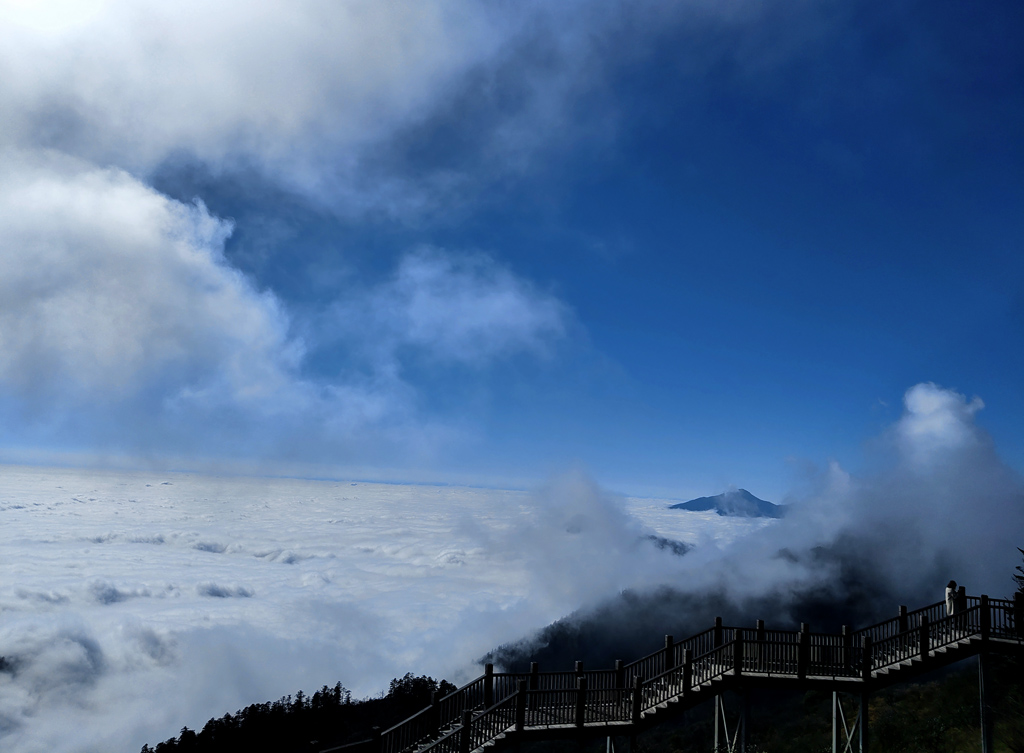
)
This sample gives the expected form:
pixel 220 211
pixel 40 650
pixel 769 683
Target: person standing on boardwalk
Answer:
pixel 950 597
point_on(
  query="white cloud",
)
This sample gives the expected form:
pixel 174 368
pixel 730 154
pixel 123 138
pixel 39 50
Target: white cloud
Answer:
pixel 108 288
pixel 113 294
pixel 462 308
pixel 316 94
pixel 936 421
pixel 297 88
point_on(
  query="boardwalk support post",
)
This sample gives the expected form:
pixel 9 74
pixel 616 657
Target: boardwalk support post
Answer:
pixel 718 720
pixel 737 653
pixel 986 710
pixel 466 732
pixel 737 741
pixel 581 701
pixel 488 685
pixel 862 724
pixel 687 672
pixel 376 741
pixel 843 743
pixel 744 713
pixel 638 690
pixel 521 695
pixel 803 651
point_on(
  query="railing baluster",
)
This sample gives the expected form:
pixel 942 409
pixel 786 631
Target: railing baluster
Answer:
pixel 803 654
pixel 866 659
pixel 581 700
pixel 638 689
pixel 986 618
pixel 923 638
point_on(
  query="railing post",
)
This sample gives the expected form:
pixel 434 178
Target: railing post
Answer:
pixel 803 651
pixel 466 732
pixel 847 640
pixel 865 658
pixel 986 618
pixel 581 700
pixel 534 681
pixel 488 685
pixel 717 636
pixel 759 654
pixel 435 710
pixel 737 652
pixel 637 699
pixel 904 627
pixel 521 695
pixel 923 639
pixel 1018 614
pixel 687 672
pixel 670 659
pixel 579 668
pixel 620 675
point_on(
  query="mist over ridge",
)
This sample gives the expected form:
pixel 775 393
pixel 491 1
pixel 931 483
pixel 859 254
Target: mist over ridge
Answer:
pixel 938 504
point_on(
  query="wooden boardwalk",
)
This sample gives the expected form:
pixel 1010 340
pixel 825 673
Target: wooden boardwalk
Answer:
pixel 500 708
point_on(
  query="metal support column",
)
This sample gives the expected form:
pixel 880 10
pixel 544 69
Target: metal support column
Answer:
pixel 718 720
pixel 724 741
pixel 983 702
pixel 744 713
pixel 862 724
pixel 844 730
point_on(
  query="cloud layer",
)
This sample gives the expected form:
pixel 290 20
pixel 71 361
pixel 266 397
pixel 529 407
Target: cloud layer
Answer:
pixel 108 288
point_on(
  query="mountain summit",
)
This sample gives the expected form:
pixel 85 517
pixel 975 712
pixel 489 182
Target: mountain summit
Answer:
pixel 736 502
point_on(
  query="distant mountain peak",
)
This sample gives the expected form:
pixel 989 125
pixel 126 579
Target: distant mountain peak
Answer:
pixel 734 502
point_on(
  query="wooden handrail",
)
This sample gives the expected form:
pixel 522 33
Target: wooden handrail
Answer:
pixel 469 716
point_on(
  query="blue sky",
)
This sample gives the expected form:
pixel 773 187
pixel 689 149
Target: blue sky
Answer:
pixel 688 245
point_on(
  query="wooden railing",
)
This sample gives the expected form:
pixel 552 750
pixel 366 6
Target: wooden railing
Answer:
pixel 494 703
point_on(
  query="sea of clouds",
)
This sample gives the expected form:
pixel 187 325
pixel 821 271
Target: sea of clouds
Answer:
pixel 134 603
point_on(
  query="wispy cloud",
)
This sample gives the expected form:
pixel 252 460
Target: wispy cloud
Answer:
pixel 452 307
pixel 118 310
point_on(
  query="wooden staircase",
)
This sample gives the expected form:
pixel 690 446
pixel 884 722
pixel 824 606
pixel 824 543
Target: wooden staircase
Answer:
pixel 498 708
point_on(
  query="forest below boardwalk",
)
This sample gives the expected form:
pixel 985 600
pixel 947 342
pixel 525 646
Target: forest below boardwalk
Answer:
pixel 307 723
